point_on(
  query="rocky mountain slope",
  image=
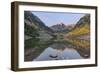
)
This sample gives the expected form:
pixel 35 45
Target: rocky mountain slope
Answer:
pixel 61 27
pixel 34 27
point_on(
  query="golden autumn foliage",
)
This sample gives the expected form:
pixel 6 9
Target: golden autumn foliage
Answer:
pixel 79 31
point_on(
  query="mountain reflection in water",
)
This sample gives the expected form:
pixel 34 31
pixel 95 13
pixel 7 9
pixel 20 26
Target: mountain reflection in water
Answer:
pixel 58 51
pixel 60 55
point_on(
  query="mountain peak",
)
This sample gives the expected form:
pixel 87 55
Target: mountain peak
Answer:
pixel 62 27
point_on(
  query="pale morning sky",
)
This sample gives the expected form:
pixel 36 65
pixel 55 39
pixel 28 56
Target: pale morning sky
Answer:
pixel 53 18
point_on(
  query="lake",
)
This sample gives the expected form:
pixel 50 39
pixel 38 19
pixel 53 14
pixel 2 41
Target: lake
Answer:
pixel 58 51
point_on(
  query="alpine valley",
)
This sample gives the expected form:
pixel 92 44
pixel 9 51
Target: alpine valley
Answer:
pixel 38 36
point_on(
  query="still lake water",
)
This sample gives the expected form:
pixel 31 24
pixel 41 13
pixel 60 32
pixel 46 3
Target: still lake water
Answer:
pixel 58 52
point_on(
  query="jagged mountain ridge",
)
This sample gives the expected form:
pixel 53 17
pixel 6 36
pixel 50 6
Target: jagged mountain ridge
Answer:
pixel 62 27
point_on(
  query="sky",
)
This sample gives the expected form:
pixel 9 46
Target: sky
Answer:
pixel 53 18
